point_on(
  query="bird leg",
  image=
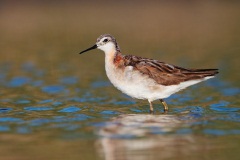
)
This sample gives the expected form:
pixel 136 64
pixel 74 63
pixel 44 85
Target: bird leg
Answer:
pixel 165 105
pixel 151 107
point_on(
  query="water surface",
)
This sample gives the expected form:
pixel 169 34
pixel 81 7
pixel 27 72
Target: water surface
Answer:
pixel 57 104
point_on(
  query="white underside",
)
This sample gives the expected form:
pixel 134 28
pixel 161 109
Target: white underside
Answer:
pixel 137 85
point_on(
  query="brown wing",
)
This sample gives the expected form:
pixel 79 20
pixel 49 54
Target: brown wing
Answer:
pixel 164 73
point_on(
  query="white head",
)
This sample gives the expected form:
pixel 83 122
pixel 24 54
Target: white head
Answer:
pixel 106 43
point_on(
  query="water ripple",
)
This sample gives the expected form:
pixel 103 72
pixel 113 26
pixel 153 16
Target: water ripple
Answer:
pixel 39 122
pixel 45 101
pixel 10 119
pixel 23 101
pixel 19 81
pixel 4 110
pixel 70 109
pixel 36 108
pixel 109 112
pixel 53 89
pixel 222 106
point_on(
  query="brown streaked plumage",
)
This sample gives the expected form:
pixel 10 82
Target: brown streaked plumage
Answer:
pixel 145 78
pixel 166 74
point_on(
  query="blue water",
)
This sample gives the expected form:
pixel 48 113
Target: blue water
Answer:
pixel 93 115
pixel 64 105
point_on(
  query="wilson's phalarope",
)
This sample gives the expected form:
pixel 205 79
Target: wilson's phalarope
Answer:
pixel 144 78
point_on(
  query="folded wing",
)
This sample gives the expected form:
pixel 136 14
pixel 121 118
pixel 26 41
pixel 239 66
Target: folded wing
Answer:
pixel 166 74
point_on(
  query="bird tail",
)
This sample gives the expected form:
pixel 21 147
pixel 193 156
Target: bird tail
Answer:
pixel 200 73
pixel 205 72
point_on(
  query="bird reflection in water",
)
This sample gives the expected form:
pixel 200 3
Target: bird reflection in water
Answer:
pixel 137 136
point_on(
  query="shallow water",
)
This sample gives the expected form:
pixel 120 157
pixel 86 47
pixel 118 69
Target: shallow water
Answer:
pixel 56 104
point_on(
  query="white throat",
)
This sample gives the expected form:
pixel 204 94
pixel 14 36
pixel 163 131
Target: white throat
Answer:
pixel 108 48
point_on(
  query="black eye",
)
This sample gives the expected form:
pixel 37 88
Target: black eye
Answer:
pixel 105 40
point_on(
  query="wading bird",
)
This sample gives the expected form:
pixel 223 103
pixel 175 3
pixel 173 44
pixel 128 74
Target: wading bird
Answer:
pixel 144 78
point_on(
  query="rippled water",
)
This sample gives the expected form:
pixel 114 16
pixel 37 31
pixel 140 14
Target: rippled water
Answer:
pixel 57 104
pixel 201 118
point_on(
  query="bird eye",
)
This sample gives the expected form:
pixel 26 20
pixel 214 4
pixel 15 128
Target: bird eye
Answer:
pixel 105 40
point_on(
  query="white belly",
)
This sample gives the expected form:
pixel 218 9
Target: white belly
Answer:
pixel 133 83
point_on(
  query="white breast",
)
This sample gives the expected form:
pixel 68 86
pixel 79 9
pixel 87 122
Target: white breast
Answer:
pixel 132 82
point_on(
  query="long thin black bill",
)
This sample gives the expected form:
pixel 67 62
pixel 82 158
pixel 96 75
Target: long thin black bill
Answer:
pixel 93 47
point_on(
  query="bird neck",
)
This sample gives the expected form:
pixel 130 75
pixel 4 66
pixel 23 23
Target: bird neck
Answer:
pixel 113 54
pixel 117 57
pixel 117 47
pixel 113 57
